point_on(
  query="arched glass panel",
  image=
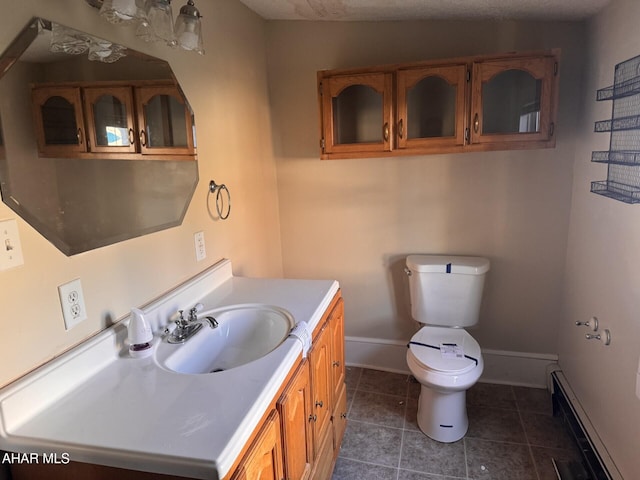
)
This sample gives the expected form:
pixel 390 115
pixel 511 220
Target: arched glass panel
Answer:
pixel 357 115
pixel 59 122
pixel 511 103
pixel 431 109
pixel 110 116
pixel 164 116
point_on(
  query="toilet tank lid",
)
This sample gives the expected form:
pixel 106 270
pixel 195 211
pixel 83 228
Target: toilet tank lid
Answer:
pixel 448 264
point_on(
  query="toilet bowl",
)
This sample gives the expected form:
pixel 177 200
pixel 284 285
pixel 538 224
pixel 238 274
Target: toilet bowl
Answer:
pixel 445 294
pixel 446 362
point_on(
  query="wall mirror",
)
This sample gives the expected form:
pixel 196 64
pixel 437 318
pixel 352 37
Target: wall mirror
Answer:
pixel 98 141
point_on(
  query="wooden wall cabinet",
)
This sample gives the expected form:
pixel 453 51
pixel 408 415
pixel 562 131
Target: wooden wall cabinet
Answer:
pixel 118 121
pixel 357 113
pixel 59 121
pixel 498 102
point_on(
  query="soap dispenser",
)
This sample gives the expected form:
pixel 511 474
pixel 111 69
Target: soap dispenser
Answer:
pixel 140 335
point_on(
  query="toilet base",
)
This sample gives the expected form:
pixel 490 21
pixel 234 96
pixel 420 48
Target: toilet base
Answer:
pixel 443 415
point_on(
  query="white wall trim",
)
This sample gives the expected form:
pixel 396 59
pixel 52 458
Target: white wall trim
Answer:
pixel 500 366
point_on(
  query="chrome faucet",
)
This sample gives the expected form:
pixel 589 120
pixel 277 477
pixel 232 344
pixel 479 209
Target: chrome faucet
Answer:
pixel 186 328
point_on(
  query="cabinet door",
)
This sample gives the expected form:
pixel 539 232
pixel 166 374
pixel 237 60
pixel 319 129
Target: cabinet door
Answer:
pixel 357 113
pixel 320 359
pixel 59 123
pixel 431 106
pixel 513 100
pixel 263 461
pixel 295 409
pixel 339 419
pixel 109 113
pixel 336 323
pixel 164 121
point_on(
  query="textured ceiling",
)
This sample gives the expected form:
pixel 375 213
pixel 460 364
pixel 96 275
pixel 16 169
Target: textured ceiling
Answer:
pixel 380 10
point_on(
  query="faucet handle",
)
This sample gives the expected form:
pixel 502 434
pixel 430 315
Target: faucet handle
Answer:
pixel 198 307
pixel 180 321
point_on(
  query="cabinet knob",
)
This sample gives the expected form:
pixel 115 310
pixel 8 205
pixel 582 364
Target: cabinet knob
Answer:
pixel 336 363
pixel 132 136
pixel 319 403
pixel 385 131
pixel 143 138
pixel 313 418
pixel 343 415
pixel 80 137
pixel 476 123
pixel 401 128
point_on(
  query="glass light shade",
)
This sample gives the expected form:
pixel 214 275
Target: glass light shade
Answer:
pixel 67 40
pixel 188 28
pixel 158 24
pixel 105 52
pixel 122 11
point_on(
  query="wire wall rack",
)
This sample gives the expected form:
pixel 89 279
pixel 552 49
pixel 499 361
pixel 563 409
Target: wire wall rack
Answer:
pixel 623 156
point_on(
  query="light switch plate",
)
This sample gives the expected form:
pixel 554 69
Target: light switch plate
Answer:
pixel 72 302
pixel 10 247
pixel 201 251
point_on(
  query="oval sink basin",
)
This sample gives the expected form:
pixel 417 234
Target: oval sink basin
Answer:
pixel 244 333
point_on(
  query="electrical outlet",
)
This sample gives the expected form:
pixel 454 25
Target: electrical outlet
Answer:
pixel 201 251
pixel 72 302
pixel 10 248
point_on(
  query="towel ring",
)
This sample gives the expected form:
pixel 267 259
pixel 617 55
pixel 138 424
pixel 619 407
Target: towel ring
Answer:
pixel 213 187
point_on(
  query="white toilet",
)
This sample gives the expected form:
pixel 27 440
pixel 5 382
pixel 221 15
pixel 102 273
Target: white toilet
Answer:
pixel 445 292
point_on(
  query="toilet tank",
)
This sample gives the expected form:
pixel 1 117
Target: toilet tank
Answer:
pixel 446 290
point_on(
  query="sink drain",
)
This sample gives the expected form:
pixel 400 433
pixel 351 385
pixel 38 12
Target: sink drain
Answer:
pixel 215 370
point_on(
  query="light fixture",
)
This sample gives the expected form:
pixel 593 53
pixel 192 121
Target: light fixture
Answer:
pixel 157 23
pixel 72 42
pixel 122 11
pixel 188 28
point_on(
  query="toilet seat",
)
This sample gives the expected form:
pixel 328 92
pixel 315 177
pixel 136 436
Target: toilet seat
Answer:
pixel 450 351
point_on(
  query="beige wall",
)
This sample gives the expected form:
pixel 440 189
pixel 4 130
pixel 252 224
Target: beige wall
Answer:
pixel 357 219
pixel 228 90
pixel 602 274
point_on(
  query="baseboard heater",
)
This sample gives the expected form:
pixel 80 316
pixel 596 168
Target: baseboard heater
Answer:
pixel 596 463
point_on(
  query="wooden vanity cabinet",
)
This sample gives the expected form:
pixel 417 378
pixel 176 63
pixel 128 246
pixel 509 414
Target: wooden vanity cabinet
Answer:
pixel 264 460
pixel 299 437
pixel 295 410
pixel 312 404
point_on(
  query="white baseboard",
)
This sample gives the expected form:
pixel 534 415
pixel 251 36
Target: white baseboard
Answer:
pixel 509 368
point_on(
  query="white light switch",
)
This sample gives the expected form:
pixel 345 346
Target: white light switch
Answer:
pixel 72 302
pixel 10 248
pixel 201 251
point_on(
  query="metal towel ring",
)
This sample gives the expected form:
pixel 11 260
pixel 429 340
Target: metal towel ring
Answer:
pixel 213 187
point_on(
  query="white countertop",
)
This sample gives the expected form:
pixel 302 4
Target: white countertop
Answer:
pixel 99 405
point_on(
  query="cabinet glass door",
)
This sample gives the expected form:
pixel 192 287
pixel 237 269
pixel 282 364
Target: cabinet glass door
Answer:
pixel 357 113
pixel 164 120
pixel 512 100
pixel 431 104
pixel 110 119
pixel 59 120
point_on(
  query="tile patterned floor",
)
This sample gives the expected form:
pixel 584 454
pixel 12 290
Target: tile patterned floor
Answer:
pixel 512 434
